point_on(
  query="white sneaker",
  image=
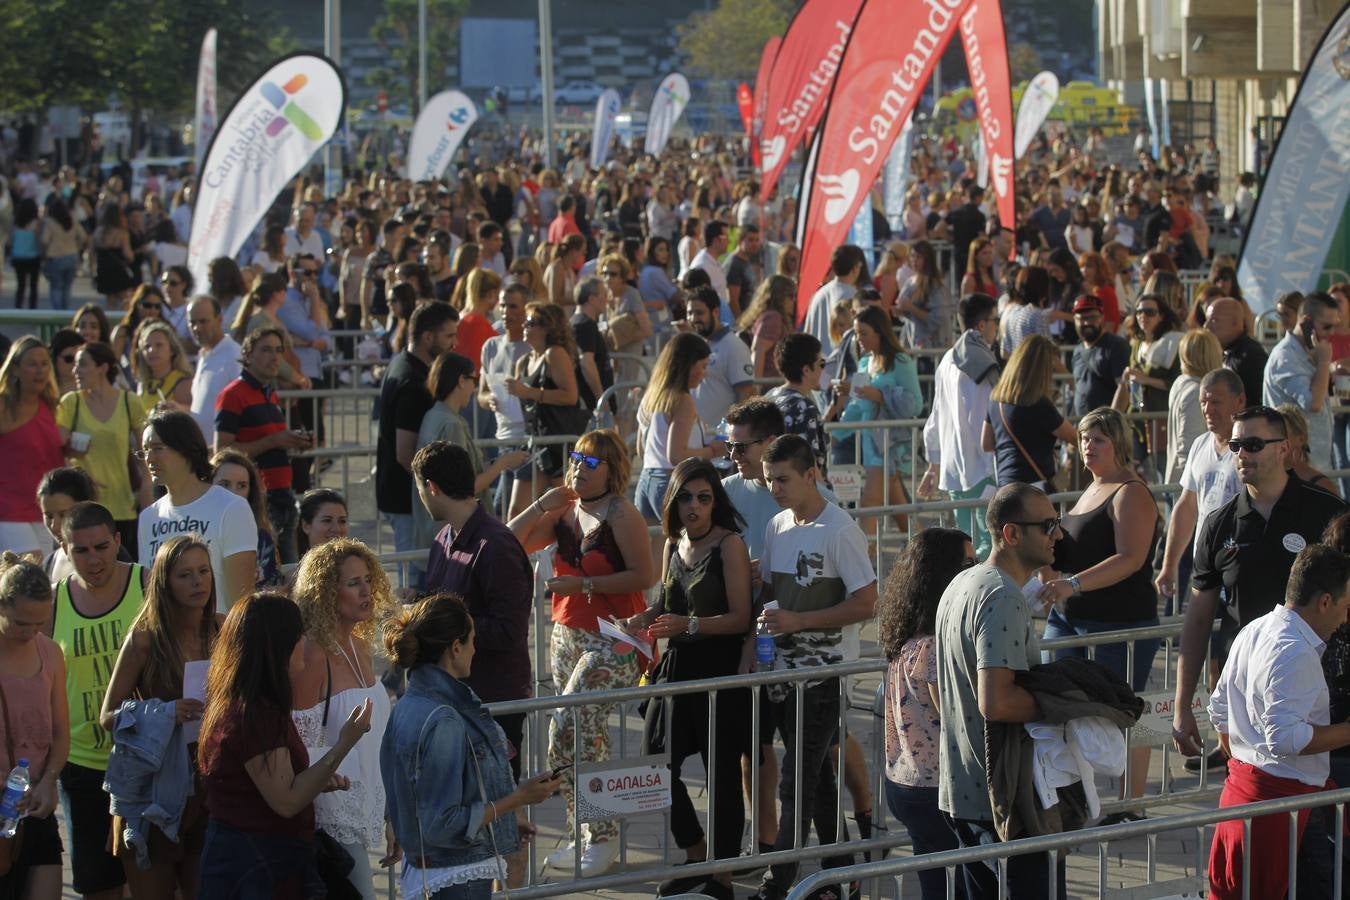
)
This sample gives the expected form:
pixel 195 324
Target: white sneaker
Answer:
pixel 599 858
pixel 563 858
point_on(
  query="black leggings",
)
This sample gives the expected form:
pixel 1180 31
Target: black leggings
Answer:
pixel 26 271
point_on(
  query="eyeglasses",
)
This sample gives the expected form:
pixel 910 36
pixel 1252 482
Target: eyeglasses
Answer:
pixel 1251 444
pixel 173 282
pixel 145 305
pixel 734 447
pixel 535 323
pixel 1049 526
pixel 612 273
pixel 145 453
pixel 310 273
pixel 590 462
pixel 1148 311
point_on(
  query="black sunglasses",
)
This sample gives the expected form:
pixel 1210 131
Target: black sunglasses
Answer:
pixel 734 447
pixel 591 462
pixel 1049 526
pixel 535 323
pixel 145 305
pixel 1251 444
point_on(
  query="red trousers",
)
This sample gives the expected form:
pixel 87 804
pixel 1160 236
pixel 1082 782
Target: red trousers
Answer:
pixel 1269 867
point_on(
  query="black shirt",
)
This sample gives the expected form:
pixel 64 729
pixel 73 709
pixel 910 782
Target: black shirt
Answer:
pixel 1247 358
pixel 586 331
pixel 1034 427
pixel 741 272
pixel 967 223
pixel 376 263
pixel 404 400
pixel 1250 557
pixel 1097 370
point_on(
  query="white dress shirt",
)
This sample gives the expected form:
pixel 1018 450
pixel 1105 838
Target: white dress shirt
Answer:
pixel 951 436
pixel 716 274
pixel 1271 694
pixel 818 313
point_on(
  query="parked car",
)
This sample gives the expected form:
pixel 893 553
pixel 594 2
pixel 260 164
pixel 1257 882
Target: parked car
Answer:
pixel 577 93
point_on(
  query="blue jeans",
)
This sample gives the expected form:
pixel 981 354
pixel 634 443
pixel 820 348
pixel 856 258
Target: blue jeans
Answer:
pixel 651 493
pixel 1113 656
pixel 60 277
pixel 242 865
pixel 402 523
pixel 917 809
pixel 1028 874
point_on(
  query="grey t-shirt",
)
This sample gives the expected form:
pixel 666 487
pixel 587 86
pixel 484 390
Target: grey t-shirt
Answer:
pixel 983 622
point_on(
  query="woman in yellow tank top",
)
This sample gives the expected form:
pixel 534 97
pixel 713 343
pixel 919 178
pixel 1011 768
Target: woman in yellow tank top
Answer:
pixel 161 366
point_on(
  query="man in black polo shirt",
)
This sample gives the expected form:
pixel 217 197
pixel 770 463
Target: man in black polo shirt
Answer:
pixel 1099 359
pixel 967 224
pixel 1247 547
pixel 404 400
pixel 1226 319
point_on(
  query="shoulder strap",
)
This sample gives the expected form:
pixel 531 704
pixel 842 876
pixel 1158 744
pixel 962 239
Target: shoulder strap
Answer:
pixel 328 689
pixel 1020 449
pixel 9 729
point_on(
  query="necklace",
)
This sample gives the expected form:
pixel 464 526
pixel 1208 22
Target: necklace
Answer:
pixel 695 538
pixel 351 661
pixel 600 496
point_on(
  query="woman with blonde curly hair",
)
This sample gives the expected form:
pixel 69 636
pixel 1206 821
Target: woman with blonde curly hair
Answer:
pixel 343 595
pixel 160 365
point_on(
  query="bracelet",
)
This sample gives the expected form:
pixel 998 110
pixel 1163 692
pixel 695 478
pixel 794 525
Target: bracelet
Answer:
pixel 538 508
pixel 540 398
pixel 588 585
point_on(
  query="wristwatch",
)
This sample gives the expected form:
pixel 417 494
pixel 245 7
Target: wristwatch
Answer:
pixel 692 627
pixel 1073 583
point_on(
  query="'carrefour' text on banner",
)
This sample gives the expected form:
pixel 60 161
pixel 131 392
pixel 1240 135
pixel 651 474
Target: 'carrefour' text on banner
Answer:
pixel 889 59
pixel 274 128
pixel 441 127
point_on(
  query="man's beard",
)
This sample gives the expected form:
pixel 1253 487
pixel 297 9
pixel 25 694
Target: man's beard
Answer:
pixel 1089 333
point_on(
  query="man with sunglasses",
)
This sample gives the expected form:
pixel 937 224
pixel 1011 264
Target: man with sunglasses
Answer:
pixel 1100 358
pixel 985 636
pixel 1247 548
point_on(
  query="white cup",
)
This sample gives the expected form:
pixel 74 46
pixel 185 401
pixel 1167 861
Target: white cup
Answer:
pixel 1342 383
pixel 79 441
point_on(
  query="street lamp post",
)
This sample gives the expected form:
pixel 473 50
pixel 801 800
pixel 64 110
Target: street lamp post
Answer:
pixel 332 46
pixel 546 75
pixel 421 54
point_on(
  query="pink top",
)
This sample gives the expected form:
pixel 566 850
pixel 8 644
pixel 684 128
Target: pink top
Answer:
pixel 27 453
pixel 770 327
pixel 912 724
pixel 30 712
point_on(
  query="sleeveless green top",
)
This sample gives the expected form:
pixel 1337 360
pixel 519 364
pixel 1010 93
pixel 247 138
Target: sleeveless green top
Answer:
pixel 91 645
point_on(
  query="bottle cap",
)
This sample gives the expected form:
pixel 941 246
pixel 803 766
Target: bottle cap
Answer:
pixel 23 761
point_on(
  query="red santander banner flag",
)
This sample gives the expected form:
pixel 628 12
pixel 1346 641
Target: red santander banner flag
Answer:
pixel 745 101
pixel 894 47
pixel 986 49
pixel 766 60
pixel 803 75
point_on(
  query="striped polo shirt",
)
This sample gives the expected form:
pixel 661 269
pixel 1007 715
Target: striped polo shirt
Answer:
pixel 249 410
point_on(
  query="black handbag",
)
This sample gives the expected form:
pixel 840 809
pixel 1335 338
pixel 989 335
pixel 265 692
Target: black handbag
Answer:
pixel 333 860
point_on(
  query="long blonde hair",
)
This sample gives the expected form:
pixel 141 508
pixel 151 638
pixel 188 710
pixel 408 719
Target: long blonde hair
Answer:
pixel 1030 373
pixel 670 376
pixel 164 664
pixel 9 375
pixel 177 356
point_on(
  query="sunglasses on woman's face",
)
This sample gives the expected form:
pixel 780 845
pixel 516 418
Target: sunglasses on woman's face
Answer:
pixel 590 462
pixel 145 305
pixel 534 323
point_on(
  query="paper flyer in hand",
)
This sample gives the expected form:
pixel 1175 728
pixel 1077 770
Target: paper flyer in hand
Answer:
pixel 612 630
pixel 508 404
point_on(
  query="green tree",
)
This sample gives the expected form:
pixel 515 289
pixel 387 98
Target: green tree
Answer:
pixel 396 34
pixel 726 42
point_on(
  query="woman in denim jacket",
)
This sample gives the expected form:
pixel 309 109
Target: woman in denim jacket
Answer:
pixel 451 796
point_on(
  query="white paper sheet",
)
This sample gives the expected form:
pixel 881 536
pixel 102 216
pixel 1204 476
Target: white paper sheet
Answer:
pixel 194 688
pixel 508 405
pixel 614 632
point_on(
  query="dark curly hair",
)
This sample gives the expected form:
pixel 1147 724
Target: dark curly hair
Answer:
pixel 909 600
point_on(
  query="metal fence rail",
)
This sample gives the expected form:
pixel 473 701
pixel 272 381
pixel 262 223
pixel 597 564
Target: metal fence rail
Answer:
pixel 1052 845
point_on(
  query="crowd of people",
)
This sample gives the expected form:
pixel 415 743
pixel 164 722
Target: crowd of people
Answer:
pixel 608 365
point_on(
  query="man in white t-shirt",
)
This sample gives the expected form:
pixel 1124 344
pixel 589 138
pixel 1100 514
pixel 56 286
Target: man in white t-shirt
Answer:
pixel 217 363
pixel 1209 480
pixel 178 461
pixel 716 239
pixel 731 374
pixel 821 585
pixel 847 264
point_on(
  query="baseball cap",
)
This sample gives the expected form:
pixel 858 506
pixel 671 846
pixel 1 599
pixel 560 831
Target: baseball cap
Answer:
pixel 1087 303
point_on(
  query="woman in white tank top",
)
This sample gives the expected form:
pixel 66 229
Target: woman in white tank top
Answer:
pixel 342 593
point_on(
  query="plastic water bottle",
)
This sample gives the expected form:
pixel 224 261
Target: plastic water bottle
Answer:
pixel 765 649
pixel 15 788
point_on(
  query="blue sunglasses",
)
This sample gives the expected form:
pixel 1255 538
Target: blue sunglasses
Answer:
pixel 591 462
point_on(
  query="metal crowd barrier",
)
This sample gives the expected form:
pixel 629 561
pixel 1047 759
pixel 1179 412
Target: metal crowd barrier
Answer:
pixel 1054 845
